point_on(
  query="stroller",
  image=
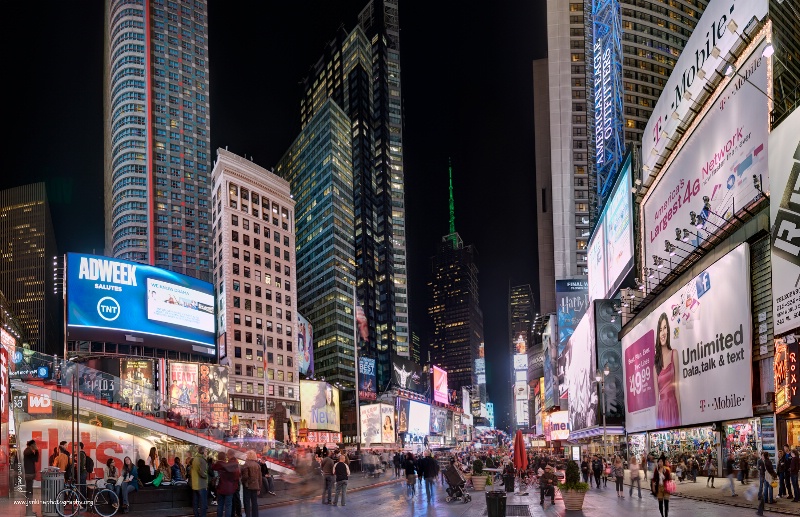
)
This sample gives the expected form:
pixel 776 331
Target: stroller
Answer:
pixel 456 483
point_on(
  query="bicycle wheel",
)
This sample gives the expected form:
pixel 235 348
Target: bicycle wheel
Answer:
pixel 68 502
pixel 106 503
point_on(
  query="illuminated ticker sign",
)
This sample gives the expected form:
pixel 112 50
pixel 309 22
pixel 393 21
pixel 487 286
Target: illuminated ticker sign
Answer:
pixel 609 140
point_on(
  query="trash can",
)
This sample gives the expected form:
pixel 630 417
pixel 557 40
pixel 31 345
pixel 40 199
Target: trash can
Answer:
pixel 496 503
pixel 52 484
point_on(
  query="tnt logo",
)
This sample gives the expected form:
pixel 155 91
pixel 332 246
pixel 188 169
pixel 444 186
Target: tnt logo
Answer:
pixel 39 402
pixel 703 406
pixel 108 308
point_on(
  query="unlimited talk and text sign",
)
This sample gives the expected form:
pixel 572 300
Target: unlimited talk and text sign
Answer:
pixel 689 361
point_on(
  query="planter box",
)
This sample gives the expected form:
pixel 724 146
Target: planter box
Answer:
pixel 479 482
pixel 573 500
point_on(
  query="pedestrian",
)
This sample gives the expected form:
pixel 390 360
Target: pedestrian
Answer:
pixel 397 461
pixel 711 471
pixel 342 473
pixel 784 476
pixel 695 468
pixel 269 482
pixel 328 478
pixel 251 483
pixel 618 471
pixel 82 472
pixel 597 470
pixel 547 484
pixel 198 475
pixel 635 476
pixel 130 481
pixel 766 474
pixel 229 475
pixel 660 478
pixel 645 465
pixel 430 469
pixel 411 474
pixel 730 467
pixel 585 470
pixel 743 469
pixel 30 457
pixel 794 468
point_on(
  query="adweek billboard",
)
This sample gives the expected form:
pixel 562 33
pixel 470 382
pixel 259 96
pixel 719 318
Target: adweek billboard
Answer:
pixel 116 300
pixel 319 406
pixel 712 174
pixel 784 212
pixel 689 360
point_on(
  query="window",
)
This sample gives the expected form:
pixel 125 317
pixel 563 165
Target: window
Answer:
pixel 280 359
pixel 270 358
pixel 234 220
pixel 235 236
pixel 237 352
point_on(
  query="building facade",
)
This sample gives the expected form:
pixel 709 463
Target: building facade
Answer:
pixel 156 139
pixel 455 311
pixel 27 249
pixel 319 168
pixel 360 71
pixel 256 287
pixel 652 36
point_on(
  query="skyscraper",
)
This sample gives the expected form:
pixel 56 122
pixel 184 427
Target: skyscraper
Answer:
pixel 520 330
pixel 455 308
pixel 319 168
pixel 652 36
pixel 360 71
pixel 27 248
pixel 254 278
pixel 157 168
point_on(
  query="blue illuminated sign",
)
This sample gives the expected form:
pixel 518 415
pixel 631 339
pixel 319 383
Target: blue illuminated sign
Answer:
pixel 609 138
pixel 119 301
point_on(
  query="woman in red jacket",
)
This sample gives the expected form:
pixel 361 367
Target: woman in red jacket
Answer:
pixel 229 475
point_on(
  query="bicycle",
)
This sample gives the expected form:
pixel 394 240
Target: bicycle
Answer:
pixel 70 501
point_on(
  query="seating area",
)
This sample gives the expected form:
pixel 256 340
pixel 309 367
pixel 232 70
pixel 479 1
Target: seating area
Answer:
pixel 158 498
pixel 158 416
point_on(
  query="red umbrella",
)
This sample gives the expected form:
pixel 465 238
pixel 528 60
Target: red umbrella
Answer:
pixel 520 456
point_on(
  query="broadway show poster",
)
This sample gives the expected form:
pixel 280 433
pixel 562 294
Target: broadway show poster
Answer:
pixel 366 379
pixel 370 424
pixel 402 415
pixel 213 392
pixel 438 420
pixel 305 347
pixel 572 300
pixel 408 375
pixel 690 360
pixel 183 388
pixel 136 376
pixel 387 424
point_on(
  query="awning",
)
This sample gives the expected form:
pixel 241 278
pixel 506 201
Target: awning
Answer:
pixel 592 432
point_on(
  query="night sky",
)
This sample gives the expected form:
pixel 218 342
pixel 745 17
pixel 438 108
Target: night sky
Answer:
pixel 467 91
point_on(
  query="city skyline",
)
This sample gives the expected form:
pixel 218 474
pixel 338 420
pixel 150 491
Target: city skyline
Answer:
pixel 257 58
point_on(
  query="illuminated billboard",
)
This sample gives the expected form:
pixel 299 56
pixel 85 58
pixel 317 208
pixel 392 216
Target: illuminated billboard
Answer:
pixel 136 379
pixel 572 300
pixel 183 389
pixel 709 180
pixel 521 362
pixel 611 245
pixel 370 424
pixel 609 139
pixel 419 418
pixel 213 392
pixel 319 406
pixel 119 301
pixel 387 424
pixel 366 379
pixel 440 393
pixel 305 347
pixel 480 366
pixel 559 425
pixel 408 375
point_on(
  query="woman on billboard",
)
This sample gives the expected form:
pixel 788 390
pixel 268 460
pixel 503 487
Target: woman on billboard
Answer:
pixel 669 413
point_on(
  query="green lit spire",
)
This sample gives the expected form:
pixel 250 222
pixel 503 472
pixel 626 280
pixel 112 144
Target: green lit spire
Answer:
pixel 452 203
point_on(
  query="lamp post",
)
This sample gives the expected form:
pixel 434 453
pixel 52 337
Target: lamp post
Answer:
pixel 600 377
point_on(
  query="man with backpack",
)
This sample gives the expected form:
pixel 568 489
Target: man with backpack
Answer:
pixel 84 464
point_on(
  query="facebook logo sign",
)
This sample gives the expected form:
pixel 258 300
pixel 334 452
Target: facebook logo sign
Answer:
pixel 703 284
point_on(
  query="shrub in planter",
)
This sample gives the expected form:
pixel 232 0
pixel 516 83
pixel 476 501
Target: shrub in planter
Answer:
pixel 573 490
pixel 477 467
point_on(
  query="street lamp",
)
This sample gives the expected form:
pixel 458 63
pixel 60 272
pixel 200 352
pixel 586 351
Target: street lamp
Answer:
pixel 600 377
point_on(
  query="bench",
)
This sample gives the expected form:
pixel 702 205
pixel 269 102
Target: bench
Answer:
pixel 156 498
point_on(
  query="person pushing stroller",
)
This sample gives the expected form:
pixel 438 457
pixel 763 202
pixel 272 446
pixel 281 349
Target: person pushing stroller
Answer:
pixel 456 484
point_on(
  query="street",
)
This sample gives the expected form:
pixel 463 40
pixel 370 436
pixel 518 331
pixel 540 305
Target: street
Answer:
pixel 391 500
